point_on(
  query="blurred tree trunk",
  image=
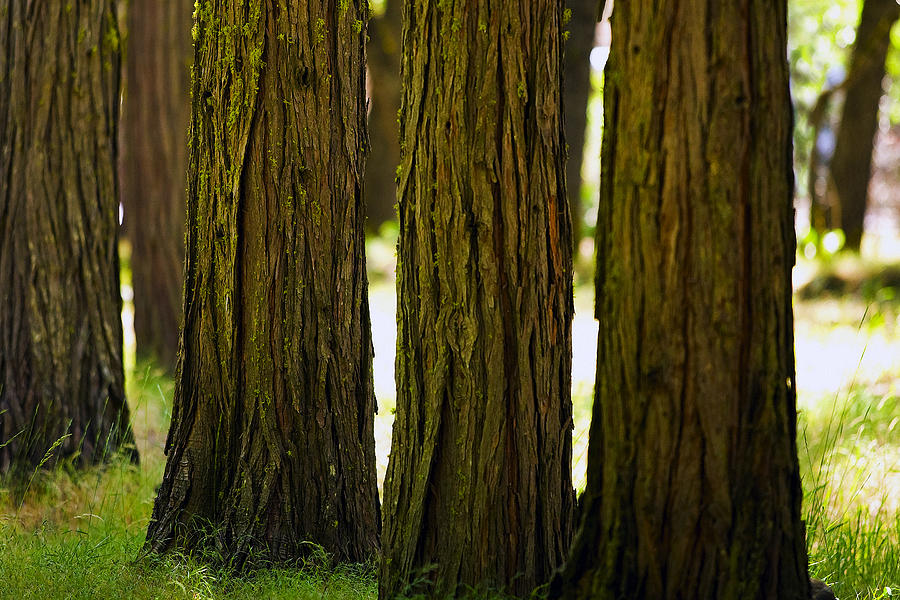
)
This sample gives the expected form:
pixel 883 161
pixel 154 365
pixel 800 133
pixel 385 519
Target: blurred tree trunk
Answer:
pixel 851 167
pixel 576 93
pixel 479 479
pixel 60 308
pixel 824 212
pixel 693 484
pixel 271 445
pixel 155 121
pixel 384 74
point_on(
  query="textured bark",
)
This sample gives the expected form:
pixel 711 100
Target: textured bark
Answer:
pixel 851 167
pixel 272 442
pixel 60 325
pixel 155 118
pixel 576 92
pixel 479 479
pixel 693 485
pixel 384 74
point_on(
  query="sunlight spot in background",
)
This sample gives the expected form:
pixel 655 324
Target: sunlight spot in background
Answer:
pixel 584 367
pixel 846 36
pixel 831 359
pixel 127 292
pixel 833 14
pixel 383 311
pixel 599 56
pixel 864 476
pixel 832 242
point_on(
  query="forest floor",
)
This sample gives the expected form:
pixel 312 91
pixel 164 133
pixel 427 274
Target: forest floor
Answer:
pixel 77 535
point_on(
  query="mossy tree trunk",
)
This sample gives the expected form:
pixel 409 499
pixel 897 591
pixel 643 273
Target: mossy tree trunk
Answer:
pixel 155 118
pixel 60 325
pixel 271 444
pixel 576 93
pixel 851 166
pixel 384 74
pixel 478 490
pixel 693 483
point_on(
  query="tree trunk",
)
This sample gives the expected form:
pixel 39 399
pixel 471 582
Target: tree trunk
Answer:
pixel 479 479
pixel 155 120
pixel 60 308
pixel 272 444
pixel 824 213
pixel 384 75
pixel 693 483
pixel 851 167
pixel 577 91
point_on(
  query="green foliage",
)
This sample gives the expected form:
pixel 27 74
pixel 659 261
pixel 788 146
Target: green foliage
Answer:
pixel 590 168
pixel 823 245
pixel 848 278
pixel 381 252
pixel 820 37
pixel 377 7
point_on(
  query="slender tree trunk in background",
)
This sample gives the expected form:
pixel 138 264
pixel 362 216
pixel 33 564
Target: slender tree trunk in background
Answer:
pixel 693 484
pixel 824 214
pixel 272 439
pixel 384 73
pixel 479 479
pixel 60 324
pixel 851 167
pixel 155 118
pixel 576 92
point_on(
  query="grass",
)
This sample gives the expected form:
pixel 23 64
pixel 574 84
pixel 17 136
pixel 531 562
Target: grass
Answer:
pixel 97 561
pixel 79 534
pixel 850 460
pixel 848 375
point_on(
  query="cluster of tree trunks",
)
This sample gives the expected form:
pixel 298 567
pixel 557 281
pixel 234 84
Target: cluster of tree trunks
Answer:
pixel 153 167
pixel 61 378
pixel 693 482
pixel 271 444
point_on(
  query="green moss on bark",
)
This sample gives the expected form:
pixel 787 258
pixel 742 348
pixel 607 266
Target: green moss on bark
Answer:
pixel 272 439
